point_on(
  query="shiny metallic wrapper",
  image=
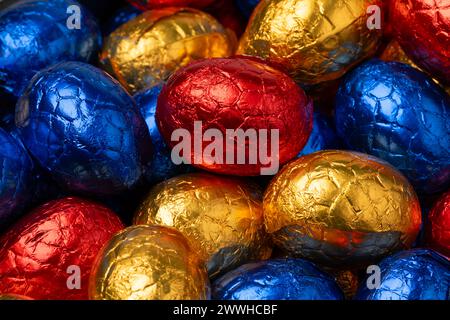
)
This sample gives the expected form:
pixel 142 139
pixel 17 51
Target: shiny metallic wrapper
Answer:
pixel 314 40
pixel 438 225
pixel 221 217
pixel 418 274
pixel 422 28
pixel 394 52
pixel 41 253
pixel 153 45
pixel 341 209
pixel 148 263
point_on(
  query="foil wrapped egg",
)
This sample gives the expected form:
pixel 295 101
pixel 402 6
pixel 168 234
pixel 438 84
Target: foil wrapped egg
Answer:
pixel 36 34
pixel 148 263
pixel 341 209
pixel 395 112
pixel 422 28
pixel 279 279
pixel 49 253
pixel 323 136
pixel 16 178
pixel 150 47
pixel 221 217
pixel 255 116
pixel 314 40
pixel 84 129
pixel 152 4
pixel 418 274
pixel 161 167
pixel 438 225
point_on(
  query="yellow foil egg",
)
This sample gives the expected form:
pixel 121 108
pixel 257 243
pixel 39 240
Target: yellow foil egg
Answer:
pixel 341 209
pixel 314 40
pixel 148 263
pixel 156 43
pixel 221 217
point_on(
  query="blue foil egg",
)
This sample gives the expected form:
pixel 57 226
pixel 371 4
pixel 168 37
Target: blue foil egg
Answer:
pixel 323 136
pixel 279 279
pixel 161 167
pixel 418 274
pixel 395 112
pixel 120 17
pixel 16 178
pixel 36 34
pixel 84 129
pixel 247 6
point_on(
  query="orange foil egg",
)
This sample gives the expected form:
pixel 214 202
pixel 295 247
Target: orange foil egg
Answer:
pixel 221 217
pixel 148 263
pixel 314 40
pixel 341 209
pixel 148 48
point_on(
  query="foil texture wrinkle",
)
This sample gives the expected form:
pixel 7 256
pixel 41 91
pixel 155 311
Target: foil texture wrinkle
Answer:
pixel 422 28
pixel 236 93
pixel 394 52
pixel 150 47
pixel 16 178
pixel 278 279
pixel 395 112
pixel 438 225
pixel 314 40
pixel 149 263
pixel 418 274
pixel 37 251
pixel 221 217
pixel 341 209
pixel 84 129
pixel 34 35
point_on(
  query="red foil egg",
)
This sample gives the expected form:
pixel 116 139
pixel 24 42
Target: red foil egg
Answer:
pixel 49 253
pixel 234 95
pixel 422 27
pixel 438 228
pixel 151 4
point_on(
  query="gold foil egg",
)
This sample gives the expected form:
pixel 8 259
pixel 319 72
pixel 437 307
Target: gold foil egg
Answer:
pixel 341 209
pixel 149 263
pixel 150 47
pixel 314 40
pixel 221 217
